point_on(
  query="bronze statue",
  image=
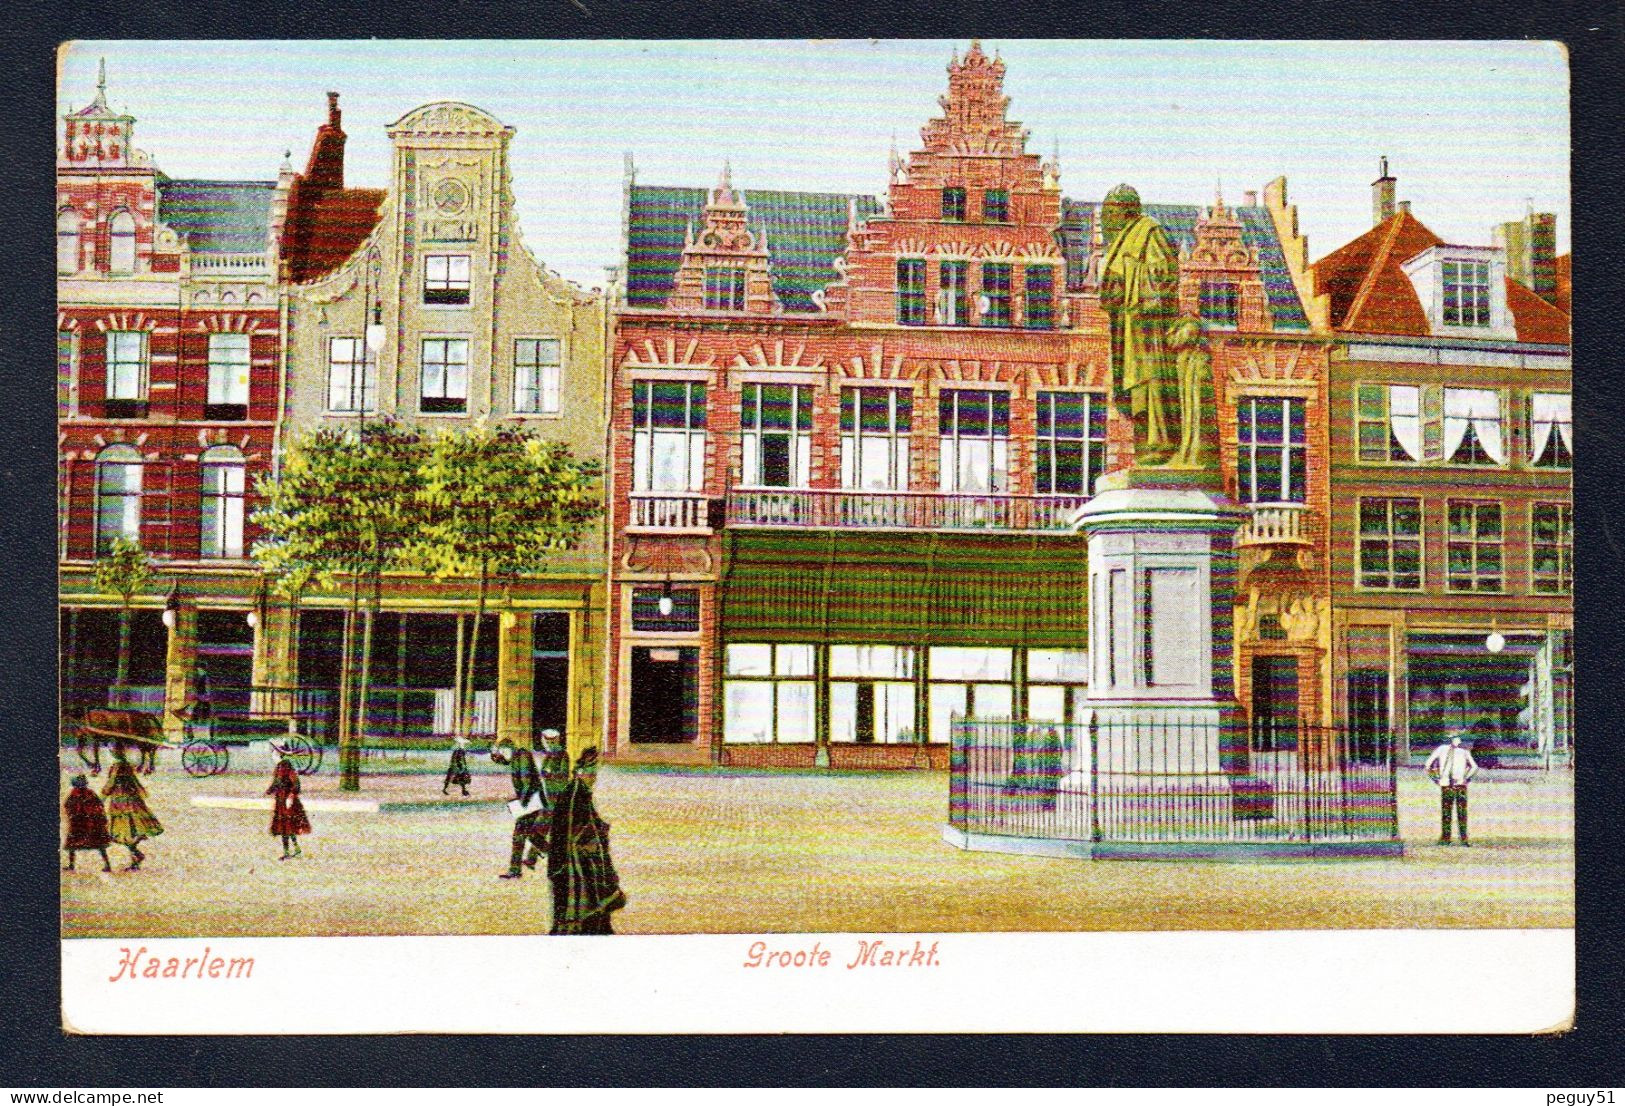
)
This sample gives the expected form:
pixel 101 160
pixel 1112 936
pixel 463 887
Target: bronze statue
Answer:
pixel 1157 359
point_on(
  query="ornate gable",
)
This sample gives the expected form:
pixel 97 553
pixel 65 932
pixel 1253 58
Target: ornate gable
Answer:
pixel 1220 256
pixel 729 255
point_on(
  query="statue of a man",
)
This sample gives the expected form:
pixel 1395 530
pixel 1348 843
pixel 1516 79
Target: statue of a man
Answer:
pixel 1139 289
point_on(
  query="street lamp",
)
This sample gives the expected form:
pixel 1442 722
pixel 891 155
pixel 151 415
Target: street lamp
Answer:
pixel 666 605
pixel 172 603
pixel 1495 642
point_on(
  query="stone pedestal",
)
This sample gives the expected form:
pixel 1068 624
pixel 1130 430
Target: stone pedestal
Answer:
pixel 1162 572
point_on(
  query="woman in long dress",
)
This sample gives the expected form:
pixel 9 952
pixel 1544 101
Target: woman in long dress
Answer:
pixel 586 889
pixel 129 821
pixel 288 819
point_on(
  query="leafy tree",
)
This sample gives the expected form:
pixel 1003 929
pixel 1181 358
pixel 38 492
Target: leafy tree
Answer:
pixel 498 504
pixel 123 571
pixel 343 511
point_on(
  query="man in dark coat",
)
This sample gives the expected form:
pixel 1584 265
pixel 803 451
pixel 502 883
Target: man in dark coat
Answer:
pixel 87 823
pixel 529 828
pixel 586 888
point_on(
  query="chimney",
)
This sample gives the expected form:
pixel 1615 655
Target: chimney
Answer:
pixel 1405 206
pixel 1249 199
pixel 1531 252
pixel 325 170
pixel 1382 197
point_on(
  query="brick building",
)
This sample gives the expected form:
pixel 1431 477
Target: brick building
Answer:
pixel 169 383
pixel 848 435
pixel 1451 445
pixel 420 302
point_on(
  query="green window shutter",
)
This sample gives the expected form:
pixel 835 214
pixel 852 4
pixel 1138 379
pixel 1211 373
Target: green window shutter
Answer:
pixel 1432 422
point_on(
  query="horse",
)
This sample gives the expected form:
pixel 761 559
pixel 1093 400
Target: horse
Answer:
pixel 132 727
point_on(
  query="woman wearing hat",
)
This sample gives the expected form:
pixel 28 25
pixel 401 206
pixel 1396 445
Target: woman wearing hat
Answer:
pixel 288 819
pixel 586 889
pixel 129 821
pixel 457 771
pixel 87 823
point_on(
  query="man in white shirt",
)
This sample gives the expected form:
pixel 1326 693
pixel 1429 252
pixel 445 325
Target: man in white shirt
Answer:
pixel 1451 766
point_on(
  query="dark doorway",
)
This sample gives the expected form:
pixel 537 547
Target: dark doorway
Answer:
pixel 550 673
pixel 1369 726
pixel 665 695
pixel 90 642
pixel 1275 704
pixel 225 651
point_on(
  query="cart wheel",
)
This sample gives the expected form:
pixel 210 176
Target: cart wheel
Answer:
pixel 305 756
pixel 203 758
pixel 222 757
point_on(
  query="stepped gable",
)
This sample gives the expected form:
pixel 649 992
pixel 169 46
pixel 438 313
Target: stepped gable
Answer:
pixel 806 233
pixel 1078 218
pixel 326 221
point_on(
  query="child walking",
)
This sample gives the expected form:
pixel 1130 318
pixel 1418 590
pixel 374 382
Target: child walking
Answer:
pixel 87 823
pixel 129 821
pixel 288 819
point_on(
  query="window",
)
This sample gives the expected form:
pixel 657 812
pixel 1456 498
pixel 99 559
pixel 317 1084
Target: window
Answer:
pixel 1040 313
pixel 352 376
pixel 974 429
pixel 222 506
pixel 118 496
pixel 536 376
pixel 996 205
pixel 1071 442
pixel 668 436
pixel 67 242
pixel 1389 420
pixel 1391 543
pixel 1219 302
pixel 445 376
pixel 911 291
pixel 445 278
pixel 871 694
pixel 1270 449
pixel 724 289
pixel 1473 547
pixel 1466 293
pixel 67 378
pixel 775 422
pixel 228 377
pixel 875 425
pixel 969 682
pixel 1057 683
pixel 769 694
pixel 995 294
pixel 121 250
pixel 1472 427
pixel 683 619
pixel 126 374
pixel 953 204
pixel 953 295
pixel 1551 548
pixel 1548 412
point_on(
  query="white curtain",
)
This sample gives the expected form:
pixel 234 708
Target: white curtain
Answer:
pixel 1549 409
pixel 1405 419
pixel 1480 409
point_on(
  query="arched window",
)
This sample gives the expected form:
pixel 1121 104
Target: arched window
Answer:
pixel 67 241
pixel 223 485
pixel 121 254
pixel 118 496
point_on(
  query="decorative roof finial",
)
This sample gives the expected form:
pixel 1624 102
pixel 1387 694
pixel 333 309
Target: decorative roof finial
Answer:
pixel 101 87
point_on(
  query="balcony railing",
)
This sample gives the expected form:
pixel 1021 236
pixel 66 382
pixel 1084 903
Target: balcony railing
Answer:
pixel 879 510
pixel 228 264
pixel 683 513
pixel 1275 524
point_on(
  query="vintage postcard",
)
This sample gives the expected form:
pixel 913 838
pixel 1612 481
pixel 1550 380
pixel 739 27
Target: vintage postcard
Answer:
pixel 892 535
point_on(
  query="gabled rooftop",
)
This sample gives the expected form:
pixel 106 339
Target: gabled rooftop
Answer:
pixel 218 216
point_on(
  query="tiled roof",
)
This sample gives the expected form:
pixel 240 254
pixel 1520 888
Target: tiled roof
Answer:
pixel 1179 220
pixel 218 216
pixel 325 227
pixel 806 232
pixel 1370 293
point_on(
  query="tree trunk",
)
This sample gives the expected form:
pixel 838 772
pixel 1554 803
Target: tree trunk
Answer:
pixel 466 723
pixel 349 749
pixel 122 674
pixel 366 658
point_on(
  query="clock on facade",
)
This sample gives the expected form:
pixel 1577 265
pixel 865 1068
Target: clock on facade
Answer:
pixel 450 196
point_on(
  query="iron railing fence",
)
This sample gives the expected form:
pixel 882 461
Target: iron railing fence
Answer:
pixel 1168 779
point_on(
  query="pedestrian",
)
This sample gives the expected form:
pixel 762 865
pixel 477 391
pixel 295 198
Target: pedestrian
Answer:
pixel 1451 766
pixel 586 889
pixel 528 806
pixel 288 818
pixel 87 823
pixel 129 821
pixel 457 771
